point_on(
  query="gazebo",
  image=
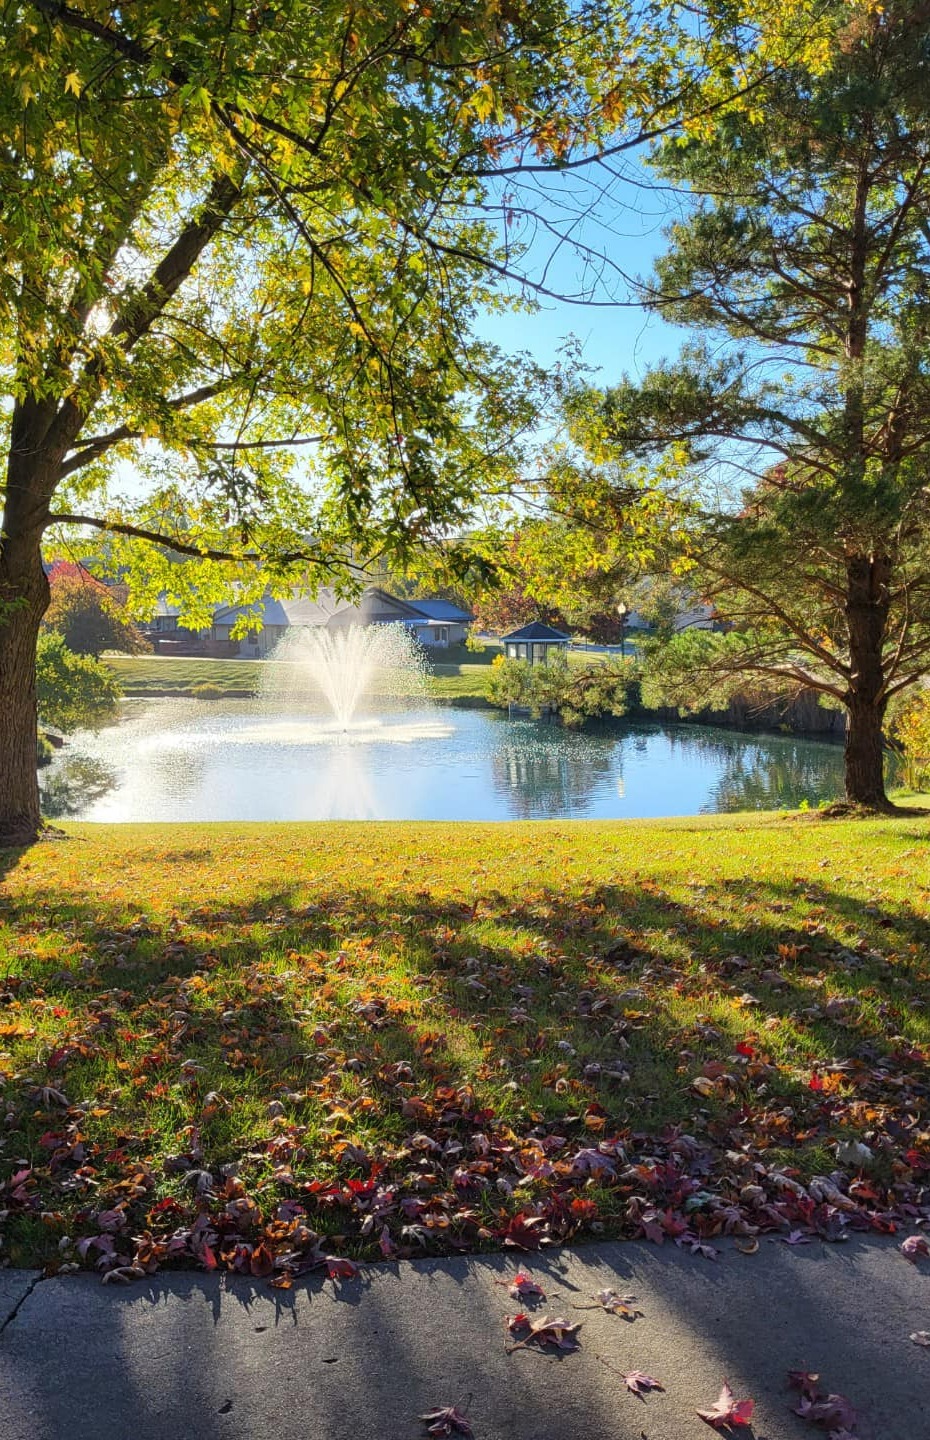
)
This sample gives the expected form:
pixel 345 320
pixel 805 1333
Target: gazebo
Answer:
pixel 534 642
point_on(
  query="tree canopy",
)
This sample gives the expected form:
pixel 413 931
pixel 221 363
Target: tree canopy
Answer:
pixel 75 692
pixel 88 616
pixel 243 253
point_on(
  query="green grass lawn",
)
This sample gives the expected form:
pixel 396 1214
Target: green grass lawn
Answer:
pixel 167 675
pixel 219 1042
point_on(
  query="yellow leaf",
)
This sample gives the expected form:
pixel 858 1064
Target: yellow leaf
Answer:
pixel 73 83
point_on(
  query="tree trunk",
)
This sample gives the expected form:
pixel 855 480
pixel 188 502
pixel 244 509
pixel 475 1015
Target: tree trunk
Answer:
pixel 20 818
pixel 864 757
pixel 24 596
pixel 867 578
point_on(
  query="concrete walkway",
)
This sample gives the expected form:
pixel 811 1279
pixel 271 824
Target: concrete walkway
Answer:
pixel 192 1357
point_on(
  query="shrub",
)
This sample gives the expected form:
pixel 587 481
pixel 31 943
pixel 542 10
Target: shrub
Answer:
pixel 206 691
pixel 73 691
pixel 474 645
pixel 45 751
pixel 575 693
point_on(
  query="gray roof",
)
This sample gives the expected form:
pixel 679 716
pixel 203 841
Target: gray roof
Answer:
pixel 536 630
pixel 163 608
pixel 271 613
pixel 440 610
pixel 299 610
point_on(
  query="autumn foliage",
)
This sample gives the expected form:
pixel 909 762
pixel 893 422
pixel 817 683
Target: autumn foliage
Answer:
pixel 88 616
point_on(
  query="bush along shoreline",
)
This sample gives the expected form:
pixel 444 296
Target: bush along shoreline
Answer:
pixel 617 688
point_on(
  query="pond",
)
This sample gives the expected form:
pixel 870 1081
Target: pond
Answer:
pixel 175 760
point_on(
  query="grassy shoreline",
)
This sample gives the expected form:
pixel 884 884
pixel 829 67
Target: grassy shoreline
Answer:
pixel 220 1041
pixel 160 677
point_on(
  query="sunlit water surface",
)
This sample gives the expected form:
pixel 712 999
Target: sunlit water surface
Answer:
pixel 179 760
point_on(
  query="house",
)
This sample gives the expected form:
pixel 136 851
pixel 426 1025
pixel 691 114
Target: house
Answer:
pixel 698 616
pixel 445 624
pixel 436 623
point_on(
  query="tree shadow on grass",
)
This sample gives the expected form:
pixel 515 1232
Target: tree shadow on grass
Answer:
pixel 276 997
pixel 308 1025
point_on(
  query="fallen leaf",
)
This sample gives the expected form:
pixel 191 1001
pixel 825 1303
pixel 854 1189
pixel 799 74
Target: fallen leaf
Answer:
pixel 524 1287
pixel 547 1331
pixel 914 1246
pixel 921 1337
pixel 833 1412
pixel 338 1268
pixel 526 1232
pixel 803 1380
pixel 747 1247
pixel 445 1420
pixel 640 1384
pixel 727 1410
pixel 616 1304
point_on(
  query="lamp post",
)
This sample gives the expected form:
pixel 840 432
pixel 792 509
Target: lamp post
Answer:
pixel 623 611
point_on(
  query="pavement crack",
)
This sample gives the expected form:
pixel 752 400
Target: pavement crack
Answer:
pixel 8 1319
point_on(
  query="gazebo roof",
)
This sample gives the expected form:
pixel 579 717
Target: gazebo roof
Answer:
pixel 536 630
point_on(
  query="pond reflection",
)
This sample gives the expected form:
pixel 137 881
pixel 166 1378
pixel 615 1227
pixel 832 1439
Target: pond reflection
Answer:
pixel 73 783
pixel 235 760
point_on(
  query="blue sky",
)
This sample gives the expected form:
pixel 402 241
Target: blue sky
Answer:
pixel 626 225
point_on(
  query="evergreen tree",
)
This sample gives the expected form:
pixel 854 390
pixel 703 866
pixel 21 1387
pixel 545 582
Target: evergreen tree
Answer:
pixel 798 421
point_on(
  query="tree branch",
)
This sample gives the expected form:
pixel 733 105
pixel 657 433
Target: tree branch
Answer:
pixel 96 445
pixel 182 547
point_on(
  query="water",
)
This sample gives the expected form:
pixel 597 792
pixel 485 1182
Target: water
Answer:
pixel 180 760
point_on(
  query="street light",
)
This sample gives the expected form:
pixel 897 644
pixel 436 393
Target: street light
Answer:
pixel 623 611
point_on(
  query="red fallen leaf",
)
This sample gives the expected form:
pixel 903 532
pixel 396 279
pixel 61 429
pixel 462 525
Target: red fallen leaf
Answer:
pixel 640 1384
pixel 914 1246
pixel 583 1209
pixel 833 1412
pixel 165 1207
pixel 727 1410
pixel 815 1082
pixel 548 1331
pixel 445 1420
pixel 743 1047
pixel 339 1269
pixel 524 1287
pixel 526 1232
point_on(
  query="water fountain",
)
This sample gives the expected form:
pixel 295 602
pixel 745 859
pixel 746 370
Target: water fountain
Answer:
pixel 345 669
pixel 362 675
